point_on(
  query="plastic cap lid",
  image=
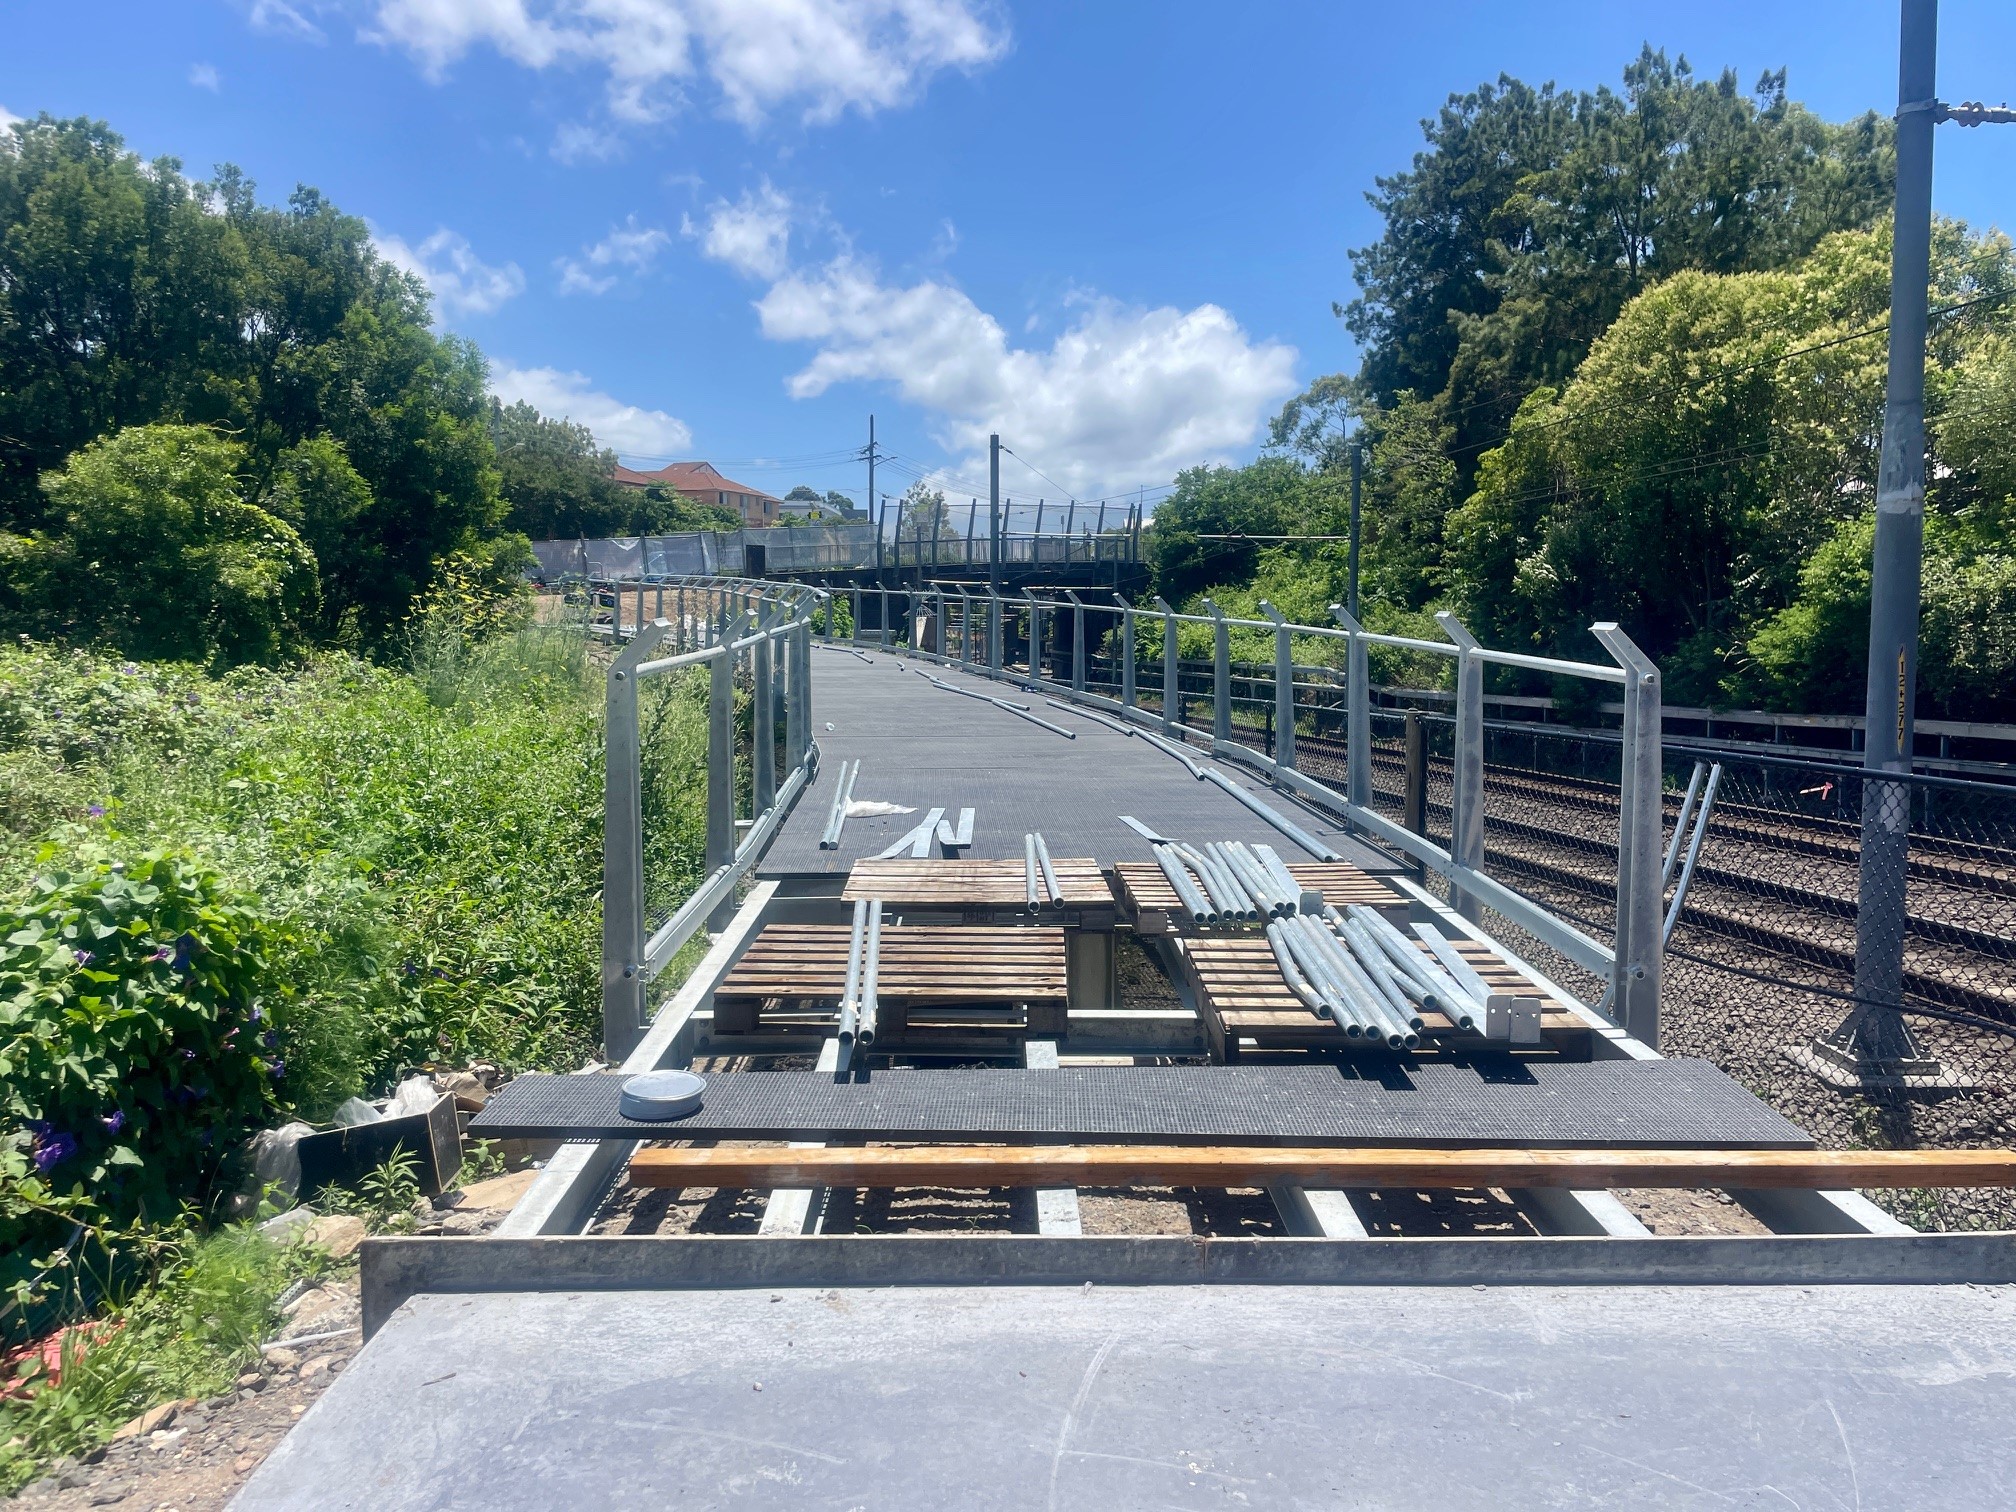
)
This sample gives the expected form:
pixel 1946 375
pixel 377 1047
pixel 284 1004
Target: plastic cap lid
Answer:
pixel 657 1095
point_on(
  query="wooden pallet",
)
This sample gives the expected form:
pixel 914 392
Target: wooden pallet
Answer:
pixel 1242 998
pixel 984 892
pixel 1150 903
pixel 948 979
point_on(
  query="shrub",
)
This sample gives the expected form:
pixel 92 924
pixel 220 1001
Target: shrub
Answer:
pixel 156 552
pixel 135 1049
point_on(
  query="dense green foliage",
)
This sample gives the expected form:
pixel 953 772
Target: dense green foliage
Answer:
pixel 1624 360
pixel 139 1020
pixel 1535 215
pixel 132 296
pixel 153 549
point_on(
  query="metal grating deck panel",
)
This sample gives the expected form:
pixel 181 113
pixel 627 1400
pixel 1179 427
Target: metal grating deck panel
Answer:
pixel 1496 1101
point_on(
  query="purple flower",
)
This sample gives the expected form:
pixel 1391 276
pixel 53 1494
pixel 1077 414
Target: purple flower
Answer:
pixel 84 957
pixel 52 1151
pixel 165 953
pixel 188 1055
pixel 114 1121
pixel 256 1014
pixel 96 811
pixel 185 946
pixel 129 669
pixel 269 1039
pixel 278 1070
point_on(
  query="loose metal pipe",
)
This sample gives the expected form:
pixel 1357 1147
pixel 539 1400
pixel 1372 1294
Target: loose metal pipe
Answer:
pixel 850 994
pixel 1049 872
pixel 1255 886
pixel 1032 904
pixel 1392 986
pixel 871 966
pixel 1278 869
pixel 1285 898
pixel 1287 827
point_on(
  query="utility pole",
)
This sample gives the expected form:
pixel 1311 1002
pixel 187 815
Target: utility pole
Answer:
pixel 873 512
pixel 994 513
pixel 1357 481
pixel 1874 1041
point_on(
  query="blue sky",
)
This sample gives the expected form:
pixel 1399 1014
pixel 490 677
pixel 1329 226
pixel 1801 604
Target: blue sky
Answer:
pixel 732 228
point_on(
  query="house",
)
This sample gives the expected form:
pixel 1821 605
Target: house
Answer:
pixel 703 483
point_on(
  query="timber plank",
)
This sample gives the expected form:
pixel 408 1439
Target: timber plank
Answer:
pixel 962 1166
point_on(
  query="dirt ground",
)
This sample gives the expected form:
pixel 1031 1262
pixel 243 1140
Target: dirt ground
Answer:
pixel 196 1459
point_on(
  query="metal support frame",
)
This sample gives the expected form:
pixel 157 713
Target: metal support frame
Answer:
pixel 1036 606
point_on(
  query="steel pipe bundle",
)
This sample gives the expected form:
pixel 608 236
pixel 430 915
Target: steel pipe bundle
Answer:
pixel 1186 891
pixel 1226 895
pixel 1434 987
pixel 1358 1002
pixel 850 994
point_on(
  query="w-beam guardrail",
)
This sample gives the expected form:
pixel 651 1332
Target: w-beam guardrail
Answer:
pixel 978 630
pixel 725 625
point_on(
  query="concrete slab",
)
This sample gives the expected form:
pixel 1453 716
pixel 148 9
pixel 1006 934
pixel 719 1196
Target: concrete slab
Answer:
pixel 925 748
pixel 1114 1397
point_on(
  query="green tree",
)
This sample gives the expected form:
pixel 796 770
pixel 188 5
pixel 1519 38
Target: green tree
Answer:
pixel 1534 216
pixel 151 547
pixel 130 296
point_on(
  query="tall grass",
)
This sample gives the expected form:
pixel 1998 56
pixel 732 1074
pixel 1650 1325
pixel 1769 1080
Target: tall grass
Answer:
pixel 429 838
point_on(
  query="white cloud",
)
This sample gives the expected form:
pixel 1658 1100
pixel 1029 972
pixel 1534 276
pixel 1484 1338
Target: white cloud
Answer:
pixel 580 142
pixel 752 234
pixel 205 76
pixel 282 19
pixel 1122 396
pixel 7 118
pixel 760 55
pixel 461 282
pixel 624 428
pixel 626 246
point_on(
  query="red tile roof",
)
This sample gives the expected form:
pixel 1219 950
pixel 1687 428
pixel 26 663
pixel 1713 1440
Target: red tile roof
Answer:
pixel 695 479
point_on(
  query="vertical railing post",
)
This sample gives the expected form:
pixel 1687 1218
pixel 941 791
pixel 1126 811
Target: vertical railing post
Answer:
pixel 1284 687
pixel 679 633
pixel 882 628
pixel 721 767
pixel 854 633
pixel 1221 674
pixel 994 632
pixel 1126 652
pixel 763 770
pixel 1639 966
pixel 1357 710
pixel 798 693
pixel 1466 823
pixel 1172 690
pixel 623 858
pixel 1035 678
pixel 1077 641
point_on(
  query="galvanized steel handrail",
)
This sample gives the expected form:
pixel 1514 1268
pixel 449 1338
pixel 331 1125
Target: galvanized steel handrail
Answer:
pixel 736 618
pixel 1632 962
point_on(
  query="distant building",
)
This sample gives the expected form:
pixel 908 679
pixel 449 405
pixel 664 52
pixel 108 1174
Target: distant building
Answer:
pixel 703 484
